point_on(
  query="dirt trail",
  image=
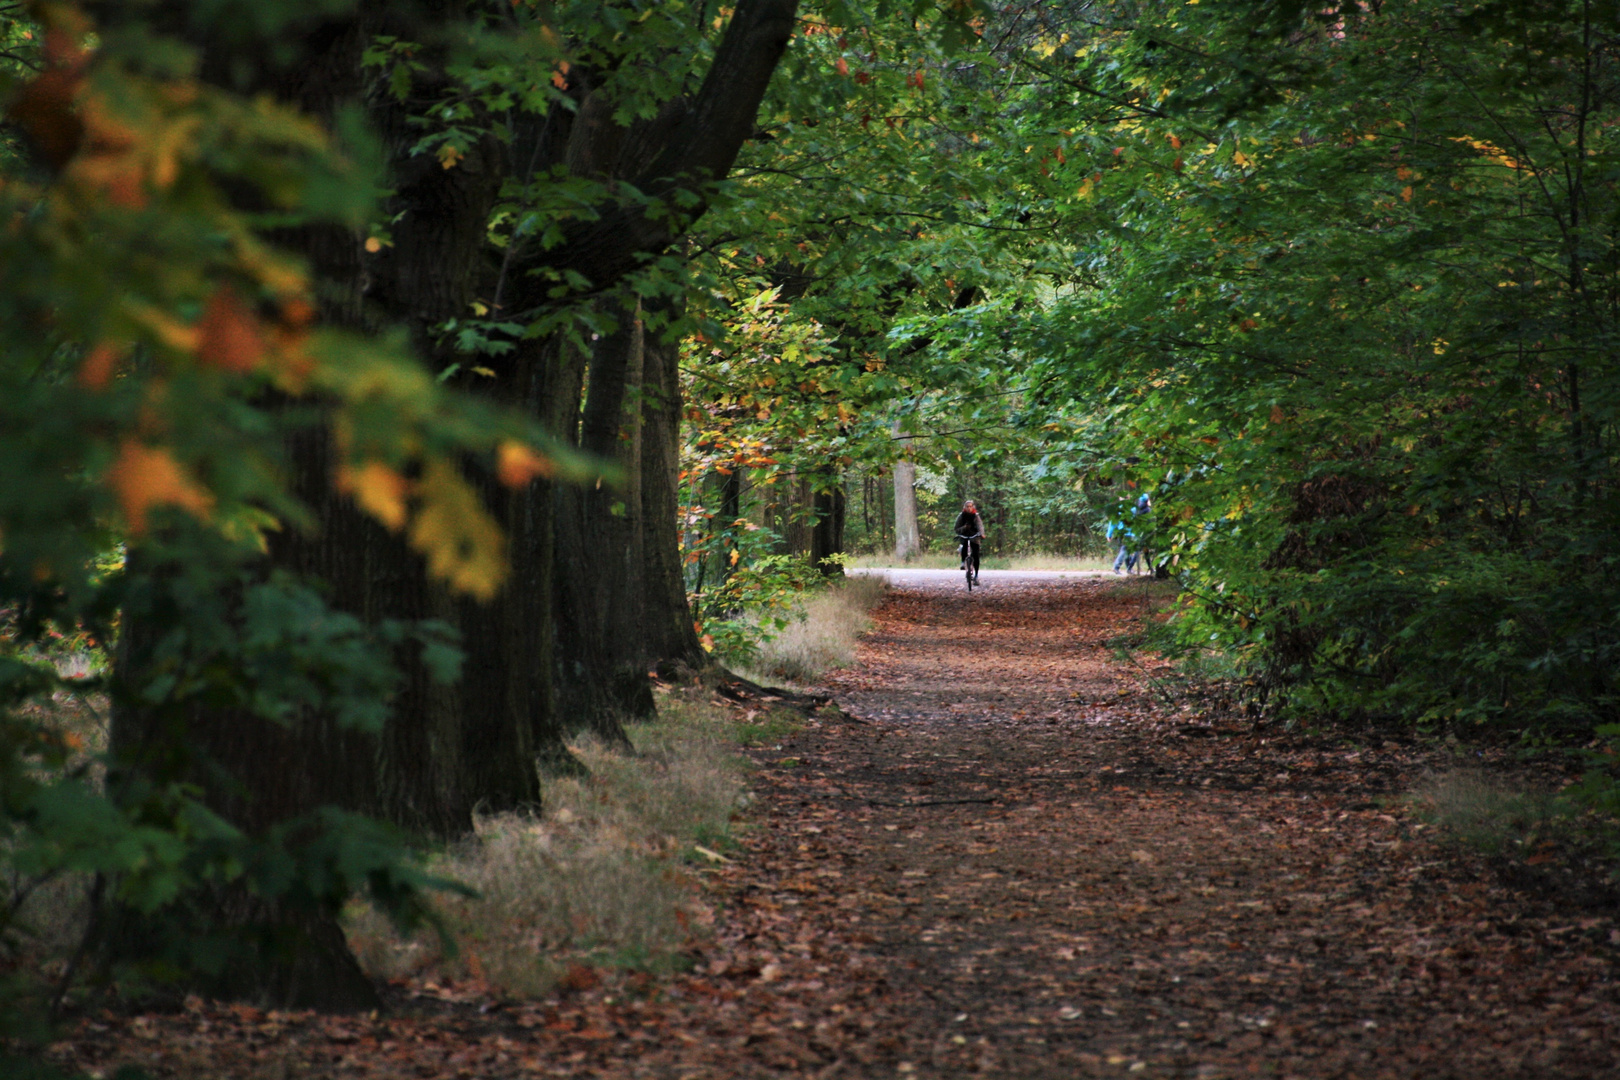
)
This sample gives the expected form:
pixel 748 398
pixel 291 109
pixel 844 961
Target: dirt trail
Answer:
pixel 1060 876
pixel 1017 860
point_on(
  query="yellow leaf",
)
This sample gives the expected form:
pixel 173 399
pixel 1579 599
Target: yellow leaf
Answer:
pixel 462 543
pixel 448 156
pixel 248 525
pixel 171 332
pixel 379 490
pixel 147 476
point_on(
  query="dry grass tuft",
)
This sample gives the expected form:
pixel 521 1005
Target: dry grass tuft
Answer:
pixel 823 635
pixel 1491 815
pixel 602 878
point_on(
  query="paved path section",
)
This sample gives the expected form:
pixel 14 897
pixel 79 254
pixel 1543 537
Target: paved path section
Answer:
pixel 906 577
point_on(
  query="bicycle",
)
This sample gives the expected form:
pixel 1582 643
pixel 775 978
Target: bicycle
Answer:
pixel 964 544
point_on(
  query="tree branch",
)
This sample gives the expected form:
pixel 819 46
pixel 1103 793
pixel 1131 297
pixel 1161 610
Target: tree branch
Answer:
pixel 698 150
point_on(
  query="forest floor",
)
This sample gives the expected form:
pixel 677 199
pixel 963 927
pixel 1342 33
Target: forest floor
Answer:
pixel 1013 855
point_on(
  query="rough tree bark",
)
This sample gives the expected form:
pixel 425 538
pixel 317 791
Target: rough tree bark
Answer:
pixel 256 773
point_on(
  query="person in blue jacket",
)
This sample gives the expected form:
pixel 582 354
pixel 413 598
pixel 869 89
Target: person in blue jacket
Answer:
pixel 1118 529
pixel 1128 551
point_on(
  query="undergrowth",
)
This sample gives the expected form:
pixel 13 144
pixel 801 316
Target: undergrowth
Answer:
pixel 604 877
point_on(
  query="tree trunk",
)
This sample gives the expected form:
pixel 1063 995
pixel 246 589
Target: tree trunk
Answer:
pixel 667 631
pixel 426 769
pixel 602 677
pixel 906 540
pixel 827 533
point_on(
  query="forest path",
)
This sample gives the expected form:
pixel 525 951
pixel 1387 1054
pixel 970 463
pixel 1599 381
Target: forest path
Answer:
pixel 1013 857
pixel 1059 876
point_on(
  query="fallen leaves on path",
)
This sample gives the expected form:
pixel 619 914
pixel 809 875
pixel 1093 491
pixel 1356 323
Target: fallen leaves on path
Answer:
pixel 1019 860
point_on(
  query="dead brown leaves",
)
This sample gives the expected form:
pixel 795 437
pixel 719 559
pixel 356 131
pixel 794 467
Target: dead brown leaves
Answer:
pixel 1025 863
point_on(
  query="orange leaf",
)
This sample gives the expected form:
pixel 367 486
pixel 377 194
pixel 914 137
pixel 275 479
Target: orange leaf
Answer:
pixel 516 464
pixel 842 66
pixel 97 369
pixel 297 311
pixel 146 476
pixel 228 337
pixel 1277 414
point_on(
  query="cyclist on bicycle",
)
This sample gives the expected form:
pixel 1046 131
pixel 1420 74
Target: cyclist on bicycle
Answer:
pixel 969 531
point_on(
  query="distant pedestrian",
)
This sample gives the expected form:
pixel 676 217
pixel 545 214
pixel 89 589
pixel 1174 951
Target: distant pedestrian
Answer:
pixel 1118 529
pixel 1139 529
pixel 1131 531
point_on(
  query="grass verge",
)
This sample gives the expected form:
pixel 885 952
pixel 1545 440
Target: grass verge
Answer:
pixel 823 633
pixel 1491 815
pixel 606 877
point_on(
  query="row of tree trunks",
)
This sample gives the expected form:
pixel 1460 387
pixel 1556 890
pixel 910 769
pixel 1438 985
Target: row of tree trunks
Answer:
pixel 595 595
